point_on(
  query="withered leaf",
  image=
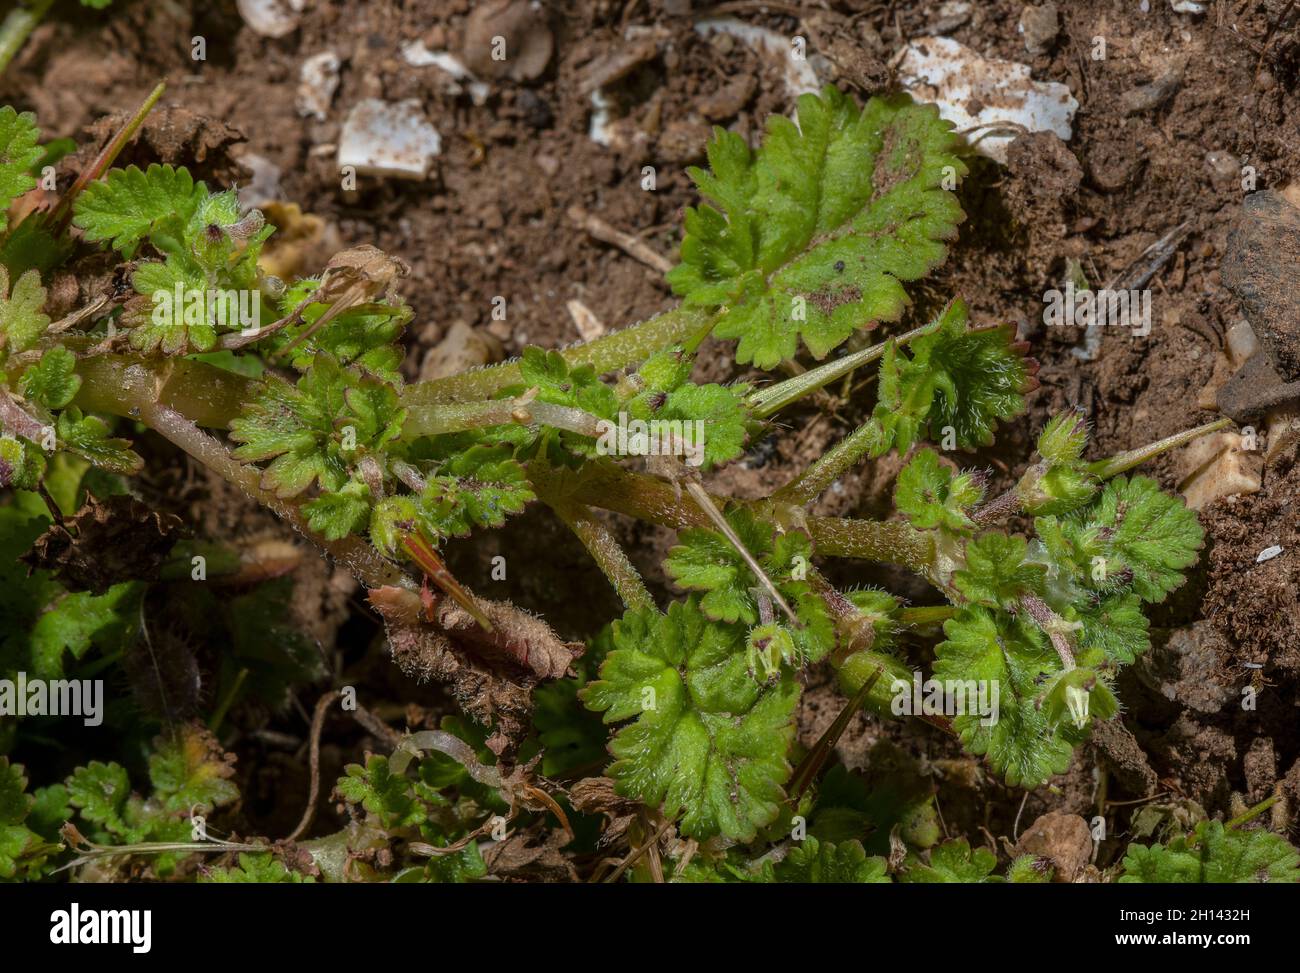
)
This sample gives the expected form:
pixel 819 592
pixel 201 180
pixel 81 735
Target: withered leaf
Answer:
pixel 523 856
pixel 596 795
pixel 105 542
pixel 491 674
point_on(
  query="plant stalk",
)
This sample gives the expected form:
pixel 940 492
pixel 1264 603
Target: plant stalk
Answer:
pixel 616 350
pixel 768 401
pixel 605 551
pixel 1122 462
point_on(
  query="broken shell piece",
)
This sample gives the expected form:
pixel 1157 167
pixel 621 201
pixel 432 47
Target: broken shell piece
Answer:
pixel 460 350
pixel 1283 427
pixel 619 62
pixel 1187 6
pixel 1268 553
pixel 1240 345
pixel 265 184
pixel 318 80
pixel 801 73
pixel 384 139
pixel 270 18
pixel 419 56
pixel 1216 466
pixel 584 319
pixel 995 99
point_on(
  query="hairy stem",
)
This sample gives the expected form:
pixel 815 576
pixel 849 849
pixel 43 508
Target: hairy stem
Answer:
pixel 810 484
pixel 460 416
pixel 1053 625
pixel 616 350
pixel 768 401
pixel 1122 462
pixel 646 498
pixel 605 551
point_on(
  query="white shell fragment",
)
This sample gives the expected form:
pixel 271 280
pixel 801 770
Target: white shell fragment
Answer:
pixel 984 93
pixel 388 139
pixel 418 56
pixel 800 74
pixel 1187 7
pixel 1268 553
pixel 318 80
pixel 270 18
pixel 265 185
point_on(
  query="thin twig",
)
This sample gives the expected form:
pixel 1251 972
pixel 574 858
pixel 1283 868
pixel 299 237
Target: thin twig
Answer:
pixel 635 856
pixel 629 244
pixel 317 724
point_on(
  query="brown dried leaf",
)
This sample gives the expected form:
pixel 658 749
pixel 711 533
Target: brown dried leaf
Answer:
pixel 105 542
pixel 491 674
pixel 518 857
pixel 596 795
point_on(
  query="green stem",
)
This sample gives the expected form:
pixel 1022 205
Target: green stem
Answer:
pixel 63 211
pixel 17 26
pixel 606 551
pixel 204 394
pixel 227 699
pixel 616 350
pixel 425 420
pixel 926 615
pixel 768 401
pixel 812 482
pixel 602 484
pixel 1122 462
pixel 1251 813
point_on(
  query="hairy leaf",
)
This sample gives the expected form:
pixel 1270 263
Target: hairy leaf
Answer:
pixel 18 153
pixel 815 230
pixel 707 743
pixel 1010 653
pixel 129 204
pixel 1214 854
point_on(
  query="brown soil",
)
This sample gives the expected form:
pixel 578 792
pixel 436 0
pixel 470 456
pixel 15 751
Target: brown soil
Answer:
pixel 492 220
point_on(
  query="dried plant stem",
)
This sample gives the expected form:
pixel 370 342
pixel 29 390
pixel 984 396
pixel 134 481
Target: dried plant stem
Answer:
pixel 714 513
pixel 62 213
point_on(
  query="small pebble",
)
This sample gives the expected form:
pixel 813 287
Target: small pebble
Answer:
pixel 1267 554
pixel 1040 25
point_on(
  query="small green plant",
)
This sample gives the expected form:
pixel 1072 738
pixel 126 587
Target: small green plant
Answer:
pixel 292 392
